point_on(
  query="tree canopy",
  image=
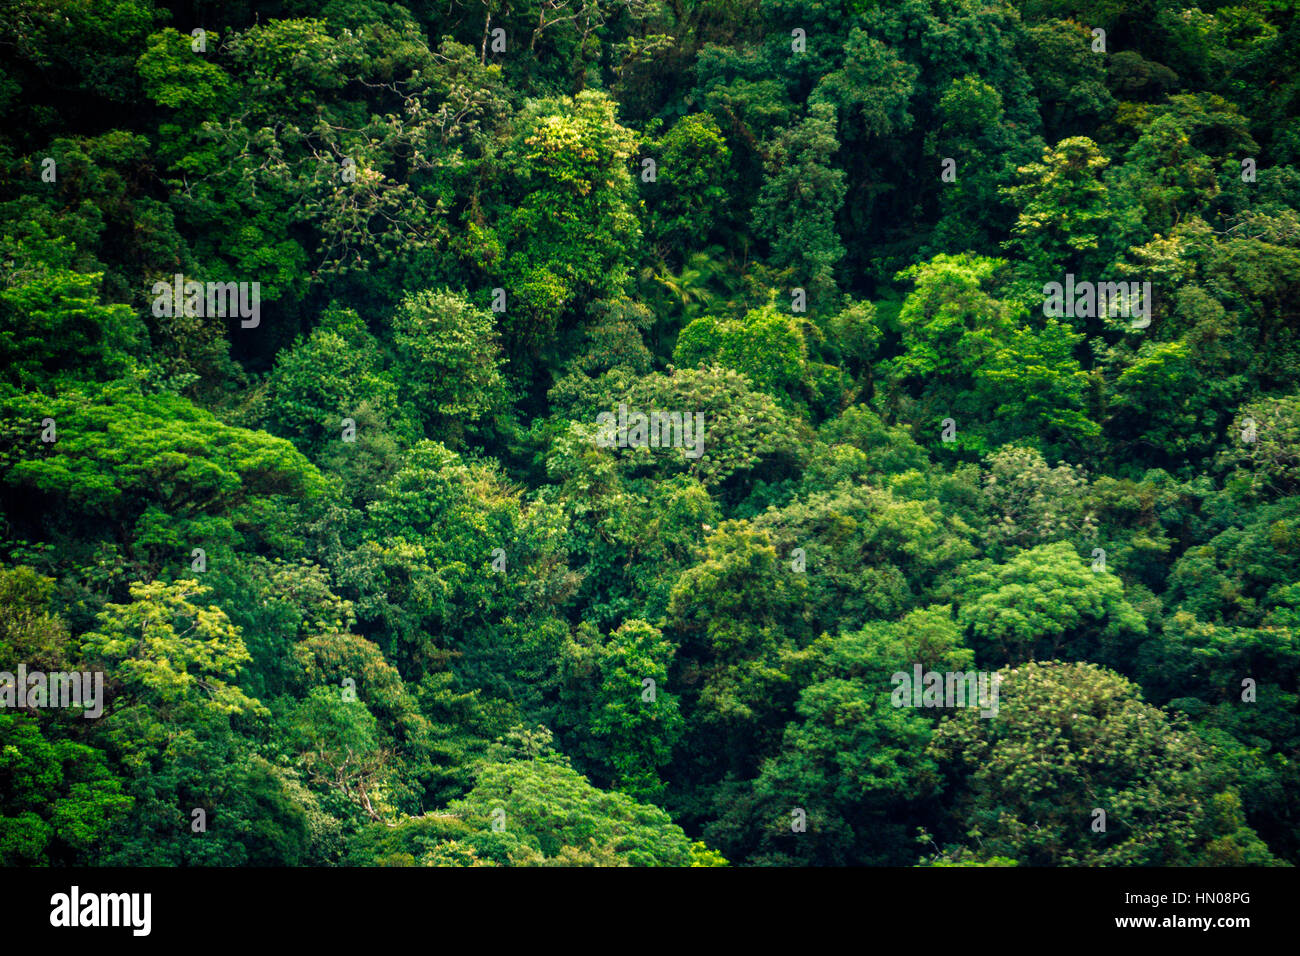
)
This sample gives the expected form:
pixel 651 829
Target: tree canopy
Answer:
pixel 612 432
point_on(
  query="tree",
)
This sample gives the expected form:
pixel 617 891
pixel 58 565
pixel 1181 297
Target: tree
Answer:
pixel 618 698
pixel 428 583
pixel 801 195
pixel 170 655
pixel 866 552
pixel 547 807
pixel 59 799
pixel 1033 503
pixel 448 359
pixel 744 635
pixel 567 228
pixel 1069 740
pixel 769 348
pixel 856 765
pixel 1267 459
pixel 172 666
pixel 1238 576
pixel 325 378
pixel 1048 602
pixel 688 199
pixel 1062 209
pixel 52 320
pixel 152 473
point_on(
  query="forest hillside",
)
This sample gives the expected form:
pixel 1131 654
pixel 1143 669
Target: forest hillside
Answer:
pixel 649 432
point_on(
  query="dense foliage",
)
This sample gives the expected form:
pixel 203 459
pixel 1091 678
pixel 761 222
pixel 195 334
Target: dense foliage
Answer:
pixel 366 584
